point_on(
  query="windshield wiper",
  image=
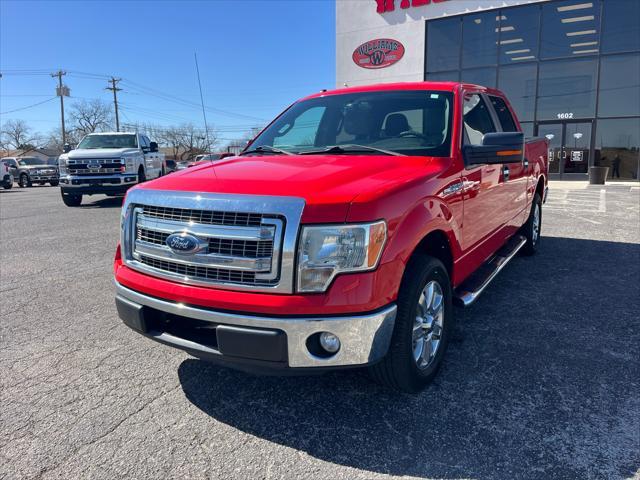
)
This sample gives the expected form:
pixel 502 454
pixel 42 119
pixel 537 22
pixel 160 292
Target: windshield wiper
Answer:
pixel 352 147
pixel 266 149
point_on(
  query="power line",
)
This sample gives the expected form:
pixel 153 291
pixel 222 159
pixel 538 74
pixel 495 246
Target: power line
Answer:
pixel 28 106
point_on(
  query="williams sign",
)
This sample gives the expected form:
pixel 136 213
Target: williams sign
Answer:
pixel 378 53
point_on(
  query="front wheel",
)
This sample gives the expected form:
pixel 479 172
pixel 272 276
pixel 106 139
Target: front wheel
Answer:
pixel 531 229
pixel 24 181
pixel 424 323
pixel 54 183
pixel 141 176
pixel 71 199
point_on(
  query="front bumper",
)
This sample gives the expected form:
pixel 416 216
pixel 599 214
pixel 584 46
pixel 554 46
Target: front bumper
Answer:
pixel 90 184
pixel 264 342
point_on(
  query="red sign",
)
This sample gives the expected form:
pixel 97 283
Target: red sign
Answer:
pixel 389 5
pixel 378 53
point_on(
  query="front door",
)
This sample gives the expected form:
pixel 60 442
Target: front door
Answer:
pixel 569 146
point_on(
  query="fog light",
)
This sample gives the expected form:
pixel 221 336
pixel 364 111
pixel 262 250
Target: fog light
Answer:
pixel 329 342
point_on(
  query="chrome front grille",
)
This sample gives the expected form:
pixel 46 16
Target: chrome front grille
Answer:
pixel 234 242
pixel 94 166
pixel 203 216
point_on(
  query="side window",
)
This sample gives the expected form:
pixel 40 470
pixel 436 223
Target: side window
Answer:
pixel 302 133
pixel 144 143
pixel 504 115
pixel 477 119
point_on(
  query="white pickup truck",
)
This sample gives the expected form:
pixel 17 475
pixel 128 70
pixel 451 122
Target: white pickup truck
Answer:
pixel 108 163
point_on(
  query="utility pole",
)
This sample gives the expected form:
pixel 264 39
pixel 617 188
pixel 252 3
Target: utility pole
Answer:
pixel 114 81
pixel 62 92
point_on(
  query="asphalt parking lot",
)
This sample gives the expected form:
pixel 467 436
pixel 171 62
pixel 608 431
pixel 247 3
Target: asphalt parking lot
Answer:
pixel 542 380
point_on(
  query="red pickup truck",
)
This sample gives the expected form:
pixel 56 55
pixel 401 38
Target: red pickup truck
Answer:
pixel 342 236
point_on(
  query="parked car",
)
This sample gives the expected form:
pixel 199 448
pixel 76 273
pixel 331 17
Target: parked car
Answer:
pixel 108 163
pixel 341 237
pixel 30 170
pixel 6 175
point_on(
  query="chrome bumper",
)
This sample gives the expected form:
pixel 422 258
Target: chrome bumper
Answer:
pixel 82 181
pixel 364 338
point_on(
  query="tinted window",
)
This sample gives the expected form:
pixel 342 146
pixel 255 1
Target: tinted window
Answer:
pixel 619 86
pixel 567 87
pixel 108 141
pixel 30 161
pixel 620 26
pixel 504 115
pixel 570 29
pixel 619 138
pixel 477 119
pixel 480 37
pixel 518 83
pixel 408 122
pixel 519 29
pixel 443 45
pixel 485 77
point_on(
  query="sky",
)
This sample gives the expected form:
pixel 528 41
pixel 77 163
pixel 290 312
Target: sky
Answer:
pixel 255 58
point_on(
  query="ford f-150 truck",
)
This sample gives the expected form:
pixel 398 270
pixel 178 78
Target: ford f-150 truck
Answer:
pixel 342 236
pixel 108 163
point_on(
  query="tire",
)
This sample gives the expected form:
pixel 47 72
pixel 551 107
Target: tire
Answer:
pixel 71 199
pixel 54 183
pixel 532 228
pixel 141 175
pixel 24 181
pixel 8 185
pixel 163 172
pixel 400 370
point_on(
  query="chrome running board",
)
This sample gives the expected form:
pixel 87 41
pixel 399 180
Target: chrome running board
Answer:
pixel 472 288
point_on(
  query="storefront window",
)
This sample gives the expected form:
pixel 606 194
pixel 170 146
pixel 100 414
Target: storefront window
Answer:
pixel 620 26
pixel 480 39
pixel 444 76
pixel 570 29
pixel 567 89
pixel 443 45
pixel 480 76
pixel 619 86
pixel 618 147
pixel 527 129
pixel 519 34
pixel 518 82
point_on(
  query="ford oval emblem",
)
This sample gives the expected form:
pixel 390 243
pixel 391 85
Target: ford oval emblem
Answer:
pixel 184 243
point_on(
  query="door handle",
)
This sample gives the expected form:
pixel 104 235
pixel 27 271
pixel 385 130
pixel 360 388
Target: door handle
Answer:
pixel 505 173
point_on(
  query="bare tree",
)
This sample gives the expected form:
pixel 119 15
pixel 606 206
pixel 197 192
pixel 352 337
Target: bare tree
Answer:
pixel 54 139
pixel 17 134
pixel 90 116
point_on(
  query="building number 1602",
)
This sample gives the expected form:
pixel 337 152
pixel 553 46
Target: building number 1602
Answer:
pixel 565 116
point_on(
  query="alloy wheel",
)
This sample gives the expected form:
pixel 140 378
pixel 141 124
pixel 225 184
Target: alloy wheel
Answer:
pixel 428 325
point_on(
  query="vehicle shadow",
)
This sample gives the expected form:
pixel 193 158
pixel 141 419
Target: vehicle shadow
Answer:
pixel 106 202
pixel 540 383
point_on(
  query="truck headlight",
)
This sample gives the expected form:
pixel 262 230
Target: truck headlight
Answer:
pixel 128 163
pixel 326 251
pixel 62 165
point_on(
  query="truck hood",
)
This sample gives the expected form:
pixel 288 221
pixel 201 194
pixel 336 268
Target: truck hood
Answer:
pixel 99 153
pixel 328 183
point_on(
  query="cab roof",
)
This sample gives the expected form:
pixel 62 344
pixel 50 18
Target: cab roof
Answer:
pixel 382 87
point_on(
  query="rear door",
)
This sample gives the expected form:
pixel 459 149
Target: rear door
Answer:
pixel 514 175
pixel 483 200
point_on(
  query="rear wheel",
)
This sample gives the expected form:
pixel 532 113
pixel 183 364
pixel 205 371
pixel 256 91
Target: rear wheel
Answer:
pixel 8 184
pixel 531 230
pixel 423 326
pixel 24 181
pixel 71 199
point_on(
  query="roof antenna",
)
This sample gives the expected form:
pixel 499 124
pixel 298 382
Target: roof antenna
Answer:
pixel 206 128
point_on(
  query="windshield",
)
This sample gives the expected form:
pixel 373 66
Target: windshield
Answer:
pixel 407 122
pixel 29 162
pixel 108 141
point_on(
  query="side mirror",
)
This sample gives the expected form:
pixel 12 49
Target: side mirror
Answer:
pixel 67 148
pixel 153 147
pixel 503 147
